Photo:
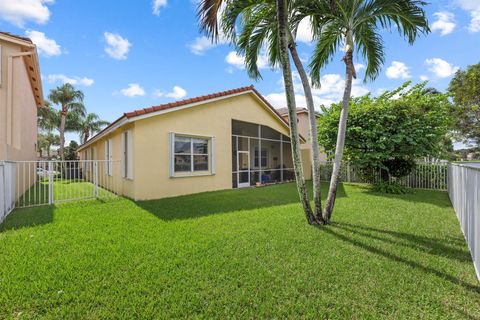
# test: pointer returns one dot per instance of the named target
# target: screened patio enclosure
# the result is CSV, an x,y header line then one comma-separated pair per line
x,y
259,155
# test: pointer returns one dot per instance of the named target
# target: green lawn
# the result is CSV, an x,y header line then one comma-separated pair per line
x,y
64,190
239,254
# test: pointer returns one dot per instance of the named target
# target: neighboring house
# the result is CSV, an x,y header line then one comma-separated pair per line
x,y
229,139
303,127
20,95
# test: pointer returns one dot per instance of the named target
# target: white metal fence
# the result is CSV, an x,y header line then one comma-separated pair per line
x,y
7,187
36,183
426,175
464,192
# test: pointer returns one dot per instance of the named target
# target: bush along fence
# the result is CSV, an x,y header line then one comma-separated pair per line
x,y
464,193
426,175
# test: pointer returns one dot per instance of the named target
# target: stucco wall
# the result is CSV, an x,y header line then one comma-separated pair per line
x,y
18,121
152,151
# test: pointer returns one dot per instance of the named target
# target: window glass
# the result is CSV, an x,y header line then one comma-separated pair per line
x,y
200,146
182,145
200,163
191,154
182,163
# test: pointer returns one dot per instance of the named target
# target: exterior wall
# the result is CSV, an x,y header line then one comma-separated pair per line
x,y
214,119
96,151
18,122
151,146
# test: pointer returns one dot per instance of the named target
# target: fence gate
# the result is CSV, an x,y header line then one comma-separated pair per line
x,y
48,182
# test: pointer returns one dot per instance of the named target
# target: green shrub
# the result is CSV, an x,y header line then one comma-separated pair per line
x,y
390,187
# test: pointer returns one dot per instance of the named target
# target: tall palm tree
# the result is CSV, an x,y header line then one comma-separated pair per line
x,y
89,125
69,100
258,28
357,24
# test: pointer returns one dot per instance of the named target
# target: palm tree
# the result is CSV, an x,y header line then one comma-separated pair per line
x,y
69,99
51,139
358,24
89,125
48,118
258,22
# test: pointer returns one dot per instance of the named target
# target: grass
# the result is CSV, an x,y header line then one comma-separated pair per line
x,y
64,190
239,254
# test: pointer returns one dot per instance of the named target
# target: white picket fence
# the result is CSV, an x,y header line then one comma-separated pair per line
x,y
426,175
464,192
35,183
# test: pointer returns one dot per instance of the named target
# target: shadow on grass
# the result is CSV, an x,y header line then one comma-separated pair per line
x,y
28,217
437,246
389,255
434,197
208,203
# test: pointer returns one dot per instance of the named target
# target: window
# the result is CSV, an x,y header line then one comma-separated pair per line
x,y
263,158
191,154
108,157
127,155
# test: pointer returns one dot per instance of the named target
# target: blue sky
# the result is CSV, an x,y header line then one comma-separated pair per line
x,y
126,55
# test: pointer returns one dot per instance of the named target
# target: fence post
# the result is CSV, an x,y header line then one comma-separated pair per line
x,y
348,172
50,183
95,177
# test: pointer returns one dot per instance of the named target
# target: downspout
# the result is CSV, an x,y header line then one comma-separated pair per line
x,y
9,111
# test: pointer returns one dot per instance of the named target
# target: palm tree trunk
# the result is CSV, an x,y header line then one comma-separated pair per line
x,y
342,127
48,151
312,119
86,135
62,133
292,115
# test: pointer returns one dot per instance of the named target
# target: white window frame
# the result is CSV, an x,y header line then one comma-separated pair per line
x,y
211,155
127,155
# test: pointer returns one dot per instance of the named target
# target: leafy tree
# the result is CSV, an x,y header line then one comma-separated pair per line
x,y
71,151
389,132
48,118
69,100
465,90
356,26
86,125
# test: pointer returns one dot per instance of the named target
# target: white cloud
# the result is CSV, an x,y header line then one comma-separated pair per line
x,y
18,12
117,47
333,86
360,67
83,81
398,70
440,67
238,61
203,43
45,46
424,78
445,22
176,93
157,4
133,90
304,31
472,7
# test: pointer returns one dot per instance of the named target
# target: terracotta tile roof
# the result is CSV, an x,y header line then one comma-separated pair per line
x,y
175,104
184,102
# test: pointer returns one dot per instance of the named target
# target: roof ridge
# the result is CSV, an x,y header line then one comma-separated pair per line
x,y
183,102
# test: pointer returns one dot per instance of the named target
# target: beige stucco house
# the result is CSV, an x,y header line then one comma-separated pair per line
x,y
20,95
229,139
